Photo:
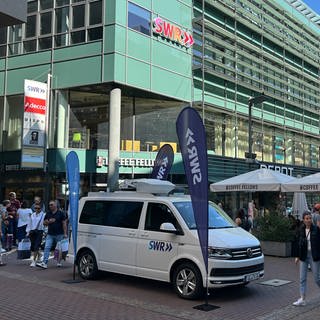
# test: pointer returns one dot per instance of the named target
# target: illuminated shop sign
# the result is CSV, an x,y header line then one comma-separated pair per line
x,y
282,169
126,162
172,32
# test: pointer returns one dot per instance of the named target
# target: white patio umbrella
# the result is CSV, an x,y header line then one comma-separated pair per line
x,y
309,183
299,204
252,181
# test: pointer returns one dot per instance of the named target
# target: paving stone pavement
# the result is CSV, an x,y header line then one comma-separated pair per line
x,y
33,293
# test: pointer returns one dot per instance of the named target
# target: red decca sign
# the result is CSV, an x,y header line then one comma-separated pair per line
x,y
34,105
172,32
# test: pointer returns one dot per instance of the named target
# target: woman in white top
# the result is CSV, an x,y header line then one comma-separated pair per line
x,y
35,232
23,215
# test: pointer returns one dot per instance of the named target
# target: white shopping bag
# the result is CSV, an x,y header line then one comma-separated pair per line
x,y
24,244
64,245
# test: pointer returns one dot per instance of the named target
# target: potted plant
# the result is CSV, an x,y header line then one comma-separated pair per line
x,y
276,233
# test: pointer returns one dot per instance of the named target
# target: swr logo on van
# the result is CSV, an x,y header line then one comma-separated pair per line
x,y
160,246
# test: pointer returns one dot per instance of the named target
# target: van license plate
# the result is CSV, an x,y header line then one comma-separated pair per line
x,y
252,276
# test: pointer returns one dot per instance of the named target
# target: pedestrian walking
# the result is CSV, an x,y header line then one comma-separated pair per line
x,y
55,219
4,219
34,231
14,206
38,201
23,215
308,253
10,223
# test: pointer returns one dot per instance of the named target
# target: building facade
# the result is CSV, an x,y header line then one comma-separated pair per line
x,y
163,55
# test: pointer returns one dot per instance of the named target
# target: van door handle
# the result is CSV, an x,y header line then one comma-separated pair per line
x,y
132,233
144,235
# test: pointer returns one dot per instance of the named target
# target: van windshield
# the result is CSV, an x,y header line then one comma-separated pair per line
x,y
217,217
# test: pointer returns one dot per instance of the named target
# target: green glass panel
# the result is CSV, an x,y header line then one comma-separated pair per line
x,y
78,51
171,58
15,80
108,72
143,3
109,39
110,10
120,68
1,83
136,41
71,73
29,59
171,84
121,12
174,11
120,39
138,74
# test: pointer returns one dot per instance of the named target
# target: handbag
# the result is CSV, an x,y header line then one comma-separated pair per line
x,y
34,231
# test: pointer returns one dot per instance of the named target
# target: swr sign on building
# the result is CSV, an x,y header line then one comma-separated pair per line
x,y
172,32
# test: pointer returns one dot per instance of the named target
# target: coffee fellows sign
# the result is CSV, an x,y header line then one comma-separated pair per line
x,y
172,32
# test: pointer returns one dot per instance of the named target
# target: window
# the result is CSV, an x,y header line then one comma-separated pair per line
x,y
78,37
62,20
45,23
46,4
45,43
158,213
95,9
121,214
32,6
30,46
78,14
3,41
62,2
31,26
139,18
217,218
95,34
54,22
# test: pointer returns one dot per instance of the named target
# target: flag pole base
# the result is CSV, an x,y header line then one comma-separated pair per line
x,y
205,307
71,281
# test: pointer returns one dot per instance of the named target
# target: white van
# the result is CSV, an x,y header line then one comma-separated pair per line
x,y
154,236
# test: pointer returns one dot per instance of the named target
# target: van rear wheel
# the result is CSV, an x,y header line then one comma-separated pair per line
x,y
87,265
187,281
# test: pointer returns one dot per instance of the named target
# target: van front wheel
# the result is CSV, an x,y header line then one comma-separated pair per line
x,y
187,281
87,265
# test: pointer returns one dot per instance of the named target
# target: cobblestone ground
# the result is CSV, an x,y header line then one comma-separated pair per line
x,y
33,293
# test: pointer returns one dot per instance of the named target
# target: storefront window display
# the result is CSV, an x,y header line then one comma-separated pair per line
x,y
146,124
88,123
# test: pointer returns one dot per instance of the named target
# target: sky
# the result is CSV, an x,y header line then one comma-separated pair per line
x,y
313,4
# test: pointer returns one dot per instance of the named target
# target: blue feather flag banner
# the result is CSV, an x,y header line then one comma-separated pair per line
x,y
73,176
163,163
193,145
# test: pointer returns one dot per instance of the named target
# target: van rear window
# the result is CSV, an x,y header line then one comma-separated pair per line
x,y
122,214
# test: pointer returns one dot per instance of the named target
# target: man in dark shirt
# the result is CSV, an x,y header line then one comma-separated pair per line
x,y
55,219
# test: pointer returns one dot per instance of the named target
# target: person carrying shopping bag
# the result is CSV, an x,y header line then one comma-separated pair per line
x,y
34,231
56,221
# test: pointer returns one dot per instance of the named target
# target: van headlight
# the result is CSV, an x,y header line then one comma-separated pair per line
x,y
219,253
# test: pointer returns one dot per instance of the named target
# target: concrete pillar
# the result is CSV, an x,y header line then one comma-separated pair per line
x,y
114,139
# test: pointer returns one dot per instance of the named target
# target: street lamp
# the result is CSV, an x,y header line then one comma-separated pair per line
x,y
252,100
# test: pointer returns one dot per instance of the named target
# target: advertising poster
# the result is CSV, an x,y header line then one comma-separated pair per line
x,y
34,124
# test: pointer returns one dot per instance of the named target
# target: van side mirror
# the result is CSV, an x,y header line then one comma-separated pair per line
x,y
168,227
